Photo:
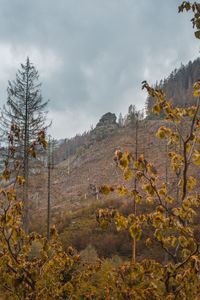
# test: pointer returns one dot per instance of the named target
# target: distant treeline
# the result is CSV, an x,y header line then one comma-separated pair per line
x,y
177,87
69,147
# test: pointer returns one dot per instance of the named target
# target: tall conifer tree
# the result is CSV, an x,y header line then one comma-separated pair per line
x,y
24,107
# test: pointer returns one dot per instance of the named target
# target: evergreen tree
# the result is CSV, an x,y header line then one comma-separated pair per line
x,y
25,108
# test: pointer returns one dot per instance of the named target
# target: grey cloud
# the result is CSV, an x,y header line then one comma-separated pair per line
x,y
104,50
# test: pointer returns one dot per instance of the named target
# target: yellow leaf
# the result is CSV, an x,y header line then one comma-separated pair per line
x,y
174,138
197,85
180,183
156,109
196,157
158,235
182,241
150,200
188,147
191,110
191,182
138,198
166,243
197,34
169,199
133,193
175,212
160,210
162,192
149,189
187,6
20,180
6,174
185,204
128,174
135,231
106,189
162,132
196,93
151,168
121,223
122,190
185,253
123,163
149,242
173,241
139,175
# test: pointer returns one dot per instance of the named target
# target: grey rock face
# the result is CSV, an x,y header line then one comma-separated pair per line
x,y
107,120
106,125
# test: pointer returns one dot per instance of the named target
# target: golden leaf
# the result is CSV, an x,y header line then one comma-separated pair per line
x,y
128,174
106,189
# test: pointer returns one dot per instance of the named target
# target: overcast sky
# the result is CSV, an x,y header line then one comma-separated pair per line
x,y
93,54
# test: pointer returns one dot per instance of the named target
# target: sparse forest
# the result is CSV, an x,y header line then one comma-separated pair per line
x,y
178,87
122,219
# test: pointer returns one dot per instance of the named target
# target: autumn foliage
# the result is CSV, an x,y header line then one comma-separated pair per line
x,y
56,273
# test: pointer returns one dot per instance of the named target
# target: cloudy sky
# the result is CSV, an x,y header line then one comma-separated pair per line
x,y
93,54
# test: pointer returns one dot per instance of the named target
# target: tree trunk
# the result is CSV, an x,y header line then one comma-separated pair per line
x,y
26,148
135,185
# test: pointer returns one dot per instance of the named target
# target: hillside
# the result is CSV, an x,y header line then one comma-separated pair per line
x,y
74,190
178,87
85,162
71,179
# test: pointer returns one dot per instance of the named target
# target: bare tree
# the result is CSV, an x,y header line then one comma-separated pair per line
x,y
25,108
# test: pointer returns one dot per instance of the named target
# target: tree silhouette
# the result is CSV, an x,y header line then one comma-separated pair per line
x,y
25,108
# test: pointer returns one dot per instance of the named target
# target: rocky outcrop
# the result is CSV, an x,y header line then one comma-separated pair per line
x,y
108,120
106,126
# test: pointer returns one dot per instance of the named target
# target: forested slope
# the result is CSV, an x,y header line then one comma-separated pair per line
x,y
178,87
